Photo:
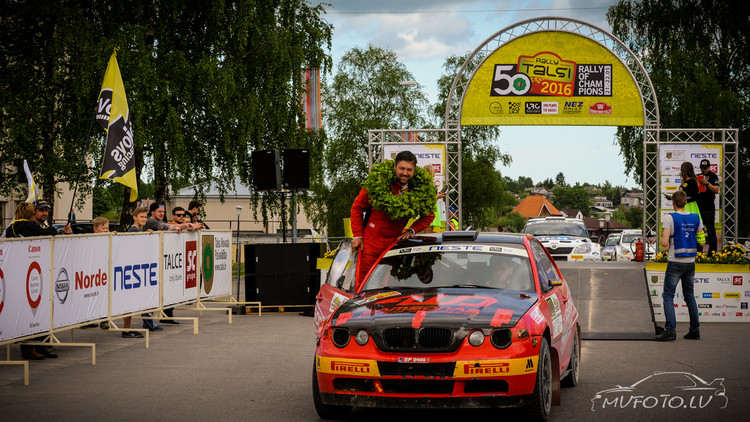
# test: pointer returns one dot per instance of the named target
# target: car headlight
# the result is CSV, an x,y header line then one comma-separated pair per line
x,y
503,337
476,338
585,248
341,337
362,337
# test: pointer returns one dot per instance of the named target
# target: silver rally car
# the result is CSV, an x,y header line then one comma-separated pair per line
x,y
566,239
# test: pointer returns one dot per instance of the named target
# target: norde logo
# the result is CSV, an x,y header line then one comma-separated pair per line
x,y
131,277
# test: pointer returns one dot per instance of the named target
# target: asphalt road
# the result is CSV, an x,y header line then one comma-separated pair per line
x,y
259,369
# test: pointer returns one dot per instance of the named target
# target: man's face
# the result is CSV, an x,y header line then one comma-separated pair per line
x,y
158,213
140,219
104,228
179,216
41,215
404,171
705,170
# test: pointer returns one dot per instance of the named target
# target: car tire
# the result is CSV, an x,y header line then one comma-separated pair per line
x,y
571,380
540,402
326,411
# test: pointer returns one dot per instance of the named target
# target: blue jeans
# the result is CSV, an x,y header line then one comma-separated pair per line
x,y
684,272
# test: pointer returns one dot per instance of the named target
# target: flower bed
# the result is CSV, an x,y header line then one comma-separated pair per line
x,y
730,254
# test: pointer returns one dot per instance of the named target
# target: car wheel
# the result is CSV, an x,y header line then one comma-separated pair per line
x,y
326,411
571,380
540,403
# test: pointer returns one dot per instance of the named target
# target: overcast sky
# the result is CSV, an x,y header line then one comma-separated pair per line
x,y
424,32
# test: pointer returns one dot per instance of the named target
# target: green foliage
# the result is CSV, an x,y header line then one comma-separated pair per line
x,y
698,58
631,217
207,83
560,179
514,220
572,197
418,201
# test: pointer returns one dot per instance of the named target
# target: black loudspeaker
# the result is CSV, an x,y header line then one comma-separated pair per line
x,y
296,169
266,170
282,274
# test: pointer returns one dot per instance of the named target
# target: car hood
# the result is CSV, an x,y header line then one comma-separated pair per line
x,y
467,307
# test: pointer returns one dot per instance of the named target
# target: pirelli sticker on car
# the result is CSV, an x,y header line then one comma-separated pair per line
x,y
341,366
495,368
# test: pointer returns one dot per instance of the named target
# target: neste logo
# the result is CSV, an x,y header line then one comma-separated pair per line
x,y
135,276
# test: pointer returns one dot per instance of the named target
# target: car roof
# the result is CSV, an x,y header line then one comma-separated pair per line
x,y
464,237
555,219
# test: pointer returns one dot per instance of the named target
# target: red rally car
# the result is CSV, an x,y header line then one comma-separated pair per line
x,y
451,320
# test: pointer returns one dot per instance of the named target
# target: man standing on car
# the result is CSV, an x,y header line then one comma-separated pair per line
x,y
393,192
682,231
708,188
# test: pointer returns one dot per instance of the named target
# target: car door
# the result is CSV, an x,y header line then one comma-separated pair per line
x,y
556,295
339,284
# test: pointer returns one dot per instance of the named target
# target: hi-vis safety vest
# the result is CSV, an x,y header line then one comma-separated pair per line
x,y
685,228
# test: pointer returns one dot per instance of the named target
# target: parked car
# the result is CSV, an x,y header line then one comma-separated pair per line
x,y
611,245
455,319
626,245
566,238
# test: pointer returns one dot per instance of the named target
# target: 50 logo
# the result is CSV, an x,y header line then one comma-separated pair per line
x,y
507,81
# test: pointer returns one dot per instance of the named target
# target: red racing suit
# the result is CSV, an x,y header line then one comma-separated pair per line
x,y
380,233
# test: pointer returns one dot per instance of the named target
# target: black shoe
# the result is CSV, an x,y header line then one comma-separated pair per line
x,y
666,336
104,325
46,351
132,334
692,335
32,355
169,321
90,326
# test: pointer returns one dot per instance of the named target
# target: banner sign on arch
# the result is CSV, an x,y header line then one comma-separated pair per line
x,y
552,78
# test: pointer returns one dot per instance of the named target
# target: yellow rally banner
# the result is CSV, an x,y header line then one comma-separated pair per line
x,y
552,78
339,366
495,368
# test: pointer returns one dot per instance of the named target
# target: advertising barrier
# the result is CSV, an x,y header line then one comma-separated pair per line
x,y
81,279
25,280
721,291
51,283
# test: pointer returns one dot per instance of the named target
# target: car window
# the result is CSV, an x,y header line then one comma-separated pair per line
x,y
545,269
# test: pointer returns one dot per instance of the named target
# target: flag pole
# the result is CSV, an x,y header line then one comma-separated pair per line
x,y
80,165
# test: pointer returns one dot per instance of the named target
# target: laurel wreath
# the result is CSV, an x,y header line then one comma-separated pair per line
x,y
418,201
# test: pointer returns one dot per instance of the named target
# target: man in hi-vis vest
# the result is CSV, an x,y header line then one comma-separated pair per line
x,y
682,232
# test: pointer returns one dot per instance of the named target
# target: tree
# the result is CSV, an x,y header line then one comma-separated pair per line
x,y
572,197
364,94
548,183
698,57
207,83
514,220
483,195
560,179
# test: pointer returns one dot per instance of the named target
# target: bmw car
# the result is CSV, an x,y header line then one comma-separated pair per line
x,y
450,320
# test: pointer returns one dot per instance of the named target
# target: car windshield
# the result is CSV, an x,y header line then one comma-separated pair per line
x,y
613,241
627,238
556,229
508,269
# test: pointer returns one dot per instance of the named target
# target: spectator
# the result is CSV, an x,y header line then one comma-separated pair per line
x,y
156,221
194,211
393,192
178,216
682,232
708,184
41,215
437,223
140,215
